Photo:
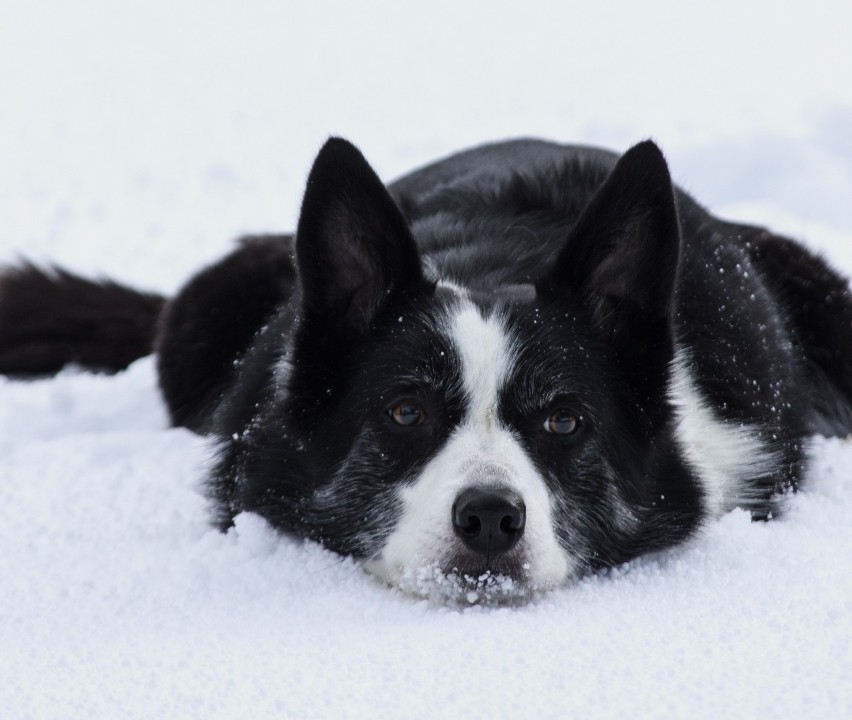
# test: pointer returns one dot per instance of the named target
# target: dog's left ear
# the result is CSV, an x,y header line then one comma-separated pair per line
x,y
354,249
622,254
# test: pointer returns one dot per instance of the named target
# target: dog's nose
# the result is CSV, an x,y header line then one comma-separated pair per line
x,y
490,521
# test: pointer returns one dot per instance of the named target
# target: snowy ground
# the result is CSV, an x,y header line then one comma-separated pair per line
x,y
137,138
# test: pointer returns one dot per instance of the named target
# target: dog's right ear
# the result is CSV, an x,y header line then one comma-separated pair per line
x,y
621,259
354,249
622,253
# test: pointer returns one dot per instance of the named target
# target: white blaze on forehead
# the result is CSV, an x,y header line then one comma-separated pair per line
x,y
485,351
457,290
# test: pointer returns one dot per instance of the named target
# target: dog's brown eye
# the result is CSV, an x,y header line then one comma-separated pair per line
x,y
562,423
407,414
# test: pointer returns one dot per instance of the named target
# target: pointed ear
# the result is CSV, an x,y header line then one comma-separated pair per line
x,y
621,258
354,249
623,252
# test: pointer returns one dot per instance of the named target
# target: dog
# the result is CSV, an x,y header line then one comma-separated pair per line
x,y
519,364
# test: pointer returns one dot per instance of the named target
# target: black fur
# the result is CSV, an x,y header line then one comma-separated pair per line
x,y
609,280
214,318
51,318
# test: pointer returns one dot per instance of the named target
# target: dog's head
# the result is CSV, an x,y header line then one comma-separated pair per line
x,y
481,441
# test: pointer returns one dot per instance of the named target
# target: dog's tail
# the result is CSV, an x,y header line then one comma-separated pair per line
x,y
50,318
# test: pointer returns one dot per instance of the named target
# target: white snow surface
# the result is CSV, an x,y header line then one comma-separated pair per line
x,y
137,139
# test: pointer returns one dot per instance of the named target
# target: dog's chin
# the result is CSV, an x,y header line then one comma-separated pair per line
x,y
463,581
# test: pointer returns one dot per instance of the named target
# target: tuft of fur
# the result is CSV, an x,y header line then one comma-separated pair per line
x,y
50,318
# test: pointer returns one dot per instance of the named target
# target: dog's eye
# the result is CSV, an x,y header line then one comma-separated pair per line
x,y
407,414
562,423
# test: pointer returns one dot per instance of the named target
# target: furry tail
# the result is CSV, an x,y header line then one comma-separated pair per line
x,y
50,318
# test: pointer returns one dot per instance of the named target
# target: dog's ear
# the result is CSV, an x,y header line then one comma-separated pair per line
x,y
622,253
354,249
621,258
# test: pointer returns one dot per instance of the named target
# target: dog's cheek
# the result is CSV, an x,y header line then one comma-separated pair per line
x,y
359,504
353,514
422,533
590,515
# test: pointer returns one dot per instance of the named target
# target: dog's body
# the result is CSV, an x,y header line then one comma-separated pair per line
x,y
517,364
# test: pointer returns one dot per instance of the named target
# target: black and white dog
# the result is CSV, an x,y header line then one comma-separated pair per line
x,y
513,366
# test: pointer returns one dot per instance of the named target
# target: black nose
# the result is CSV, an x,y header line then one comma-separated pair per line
x,y
488,520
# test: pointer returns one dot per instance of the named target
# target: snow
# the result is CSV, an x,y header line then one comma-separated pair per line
x,y
136,139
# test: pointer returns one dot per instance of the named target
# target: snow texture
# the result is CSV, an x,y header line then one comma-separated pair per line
x,y
138,138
